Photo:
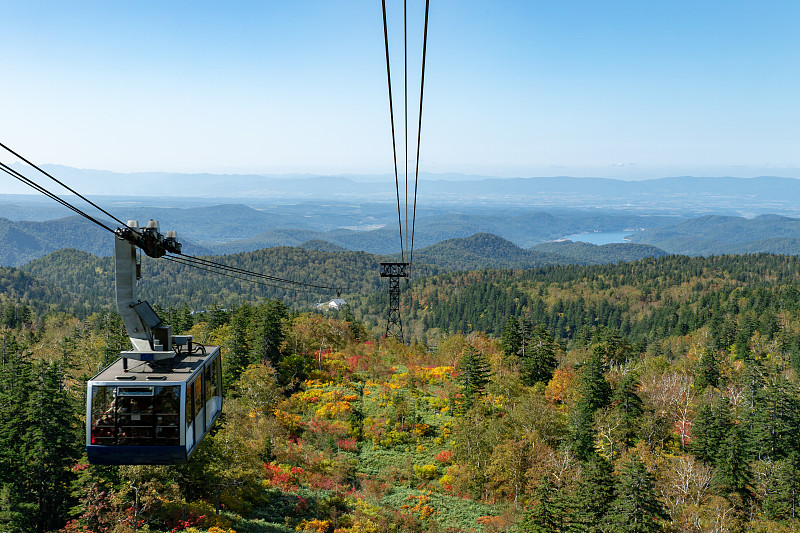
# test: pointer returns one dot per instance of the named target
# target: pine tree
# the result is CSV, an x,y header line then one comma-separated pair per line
x,y
635,508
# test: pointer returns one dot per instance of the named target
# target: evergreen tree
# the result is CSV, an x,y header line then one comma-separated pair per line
x,y
51,446
595,389
548,514
593,495
635,508
217,316
775,422
782,500
707,370
16,511
582,432
268,332
512,338
474,373
710,430
614,347
238,356
733,474
629,406
539,361
38,442
15,380
595,394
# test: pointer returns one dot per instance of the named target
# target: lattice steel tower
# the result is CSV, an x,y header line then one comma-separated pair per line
x,y
394,271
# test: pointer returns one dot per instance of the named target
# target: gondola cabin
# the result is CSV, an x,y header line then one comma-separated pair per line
x,y
153,412
154,404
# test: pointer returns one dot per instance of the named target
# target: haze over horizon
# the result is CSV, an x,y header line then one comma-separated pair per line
x,y
629,90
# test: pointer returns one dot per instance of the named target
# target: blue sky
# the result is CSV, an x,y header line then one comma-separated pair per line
x,y
629,89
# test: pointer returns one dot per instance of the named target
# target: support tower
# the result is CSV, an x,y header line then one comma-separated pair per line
x,y
394,271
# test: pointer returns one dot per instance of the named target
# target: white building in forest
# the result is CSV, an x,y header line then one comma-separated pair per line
x,y
336,303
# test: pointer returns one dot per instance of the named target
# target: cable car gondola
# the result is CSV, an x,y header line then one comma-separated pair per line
x,y
156,402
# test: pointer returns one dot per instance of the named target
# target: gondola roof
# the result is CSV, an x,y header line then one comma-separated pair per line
x,y
178,369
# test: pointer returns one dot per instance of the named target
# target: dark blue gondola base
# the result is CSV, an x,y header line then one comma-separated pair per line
x,y
136,455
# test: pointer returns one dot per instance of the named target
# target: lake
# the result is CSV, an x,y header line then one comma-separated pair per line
x,y
600,237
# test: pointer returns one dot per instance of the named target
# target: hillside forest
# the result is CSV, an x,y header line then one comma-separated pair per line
x,y
659,395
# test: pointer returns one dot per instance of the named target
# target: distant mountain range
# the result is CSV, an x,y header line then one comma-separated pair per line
x,y
451,241
684,195
682,215
235,228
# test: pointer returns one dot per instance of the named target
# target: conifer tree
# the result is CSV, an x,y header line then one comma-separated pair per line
x,y
238,356
268,332
539,361
707,370
593,495
636,507
595,389
15,378
38,442
782,499
582,432
614,347
548,514
474,373
733,474
595,394
629,406
51,446
774,424
512,338
710,430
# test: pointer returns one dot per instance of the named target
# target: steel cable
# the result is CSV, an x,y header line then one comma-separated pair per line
x,y
391,118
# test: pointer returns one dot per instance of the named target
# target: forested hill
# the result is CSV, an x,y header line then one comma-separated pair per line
x,y
484,250
593,254
22,296
23,241
317,263
170,284
646,299
715,234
